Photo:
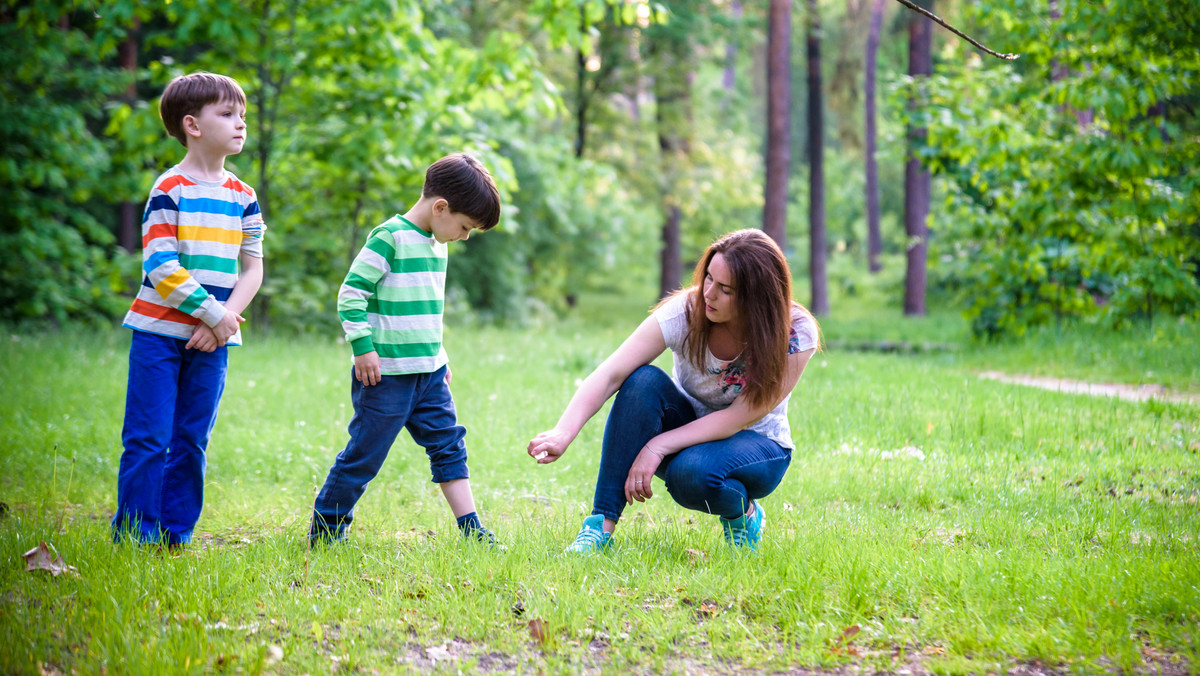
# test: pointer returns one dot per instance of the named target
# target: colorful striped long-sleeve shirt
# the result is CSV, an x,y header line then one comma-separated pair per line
x,y
192,234
393,296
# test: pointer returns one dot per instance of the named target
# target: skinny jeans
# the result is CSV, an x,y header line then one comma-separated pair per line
x,y
717,477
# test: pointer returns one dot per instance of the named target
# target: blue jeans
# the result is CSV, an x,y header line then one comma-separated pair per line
x,y
420,402
718,477
170,407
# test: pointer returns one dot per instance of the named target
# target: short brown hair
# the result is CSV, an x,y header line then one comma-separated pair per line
x,y
466,186
188,94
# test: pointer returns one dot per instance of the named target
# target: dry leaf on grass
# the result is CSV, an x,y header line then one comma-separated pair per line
x,y
539,631
933,650
41,558
842,643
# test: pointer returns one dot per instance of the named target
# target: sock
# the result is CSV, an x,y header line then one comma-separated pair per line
x,y
469,523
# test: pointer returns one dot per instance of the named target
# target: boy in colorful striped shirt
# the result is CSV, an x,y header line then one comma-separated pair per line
x,y
391,310
202,264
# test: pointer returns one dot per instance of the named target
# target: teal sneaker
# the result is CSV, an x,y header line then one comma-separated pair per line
x,y
591,538
745,531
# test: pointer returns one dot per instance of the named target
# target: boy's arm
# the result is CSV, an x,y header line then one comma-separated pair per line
x,y
249,281
369,266
250,278
160,263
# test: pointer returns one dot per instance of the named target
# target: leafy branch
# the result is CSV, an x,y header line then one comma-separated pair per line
x,y
938,20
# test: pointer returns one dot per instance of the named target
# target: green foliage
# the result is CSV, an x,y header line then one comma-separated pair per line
x,y
573,221
1049,217
57,255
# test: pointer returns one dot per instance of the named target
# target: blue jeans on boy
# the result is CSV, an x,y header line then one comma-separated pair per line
x,y
170,407
419,402
718,477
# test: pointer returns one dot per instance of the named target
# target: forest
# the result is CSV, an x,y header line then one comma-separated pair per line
x,y
990,206
882,150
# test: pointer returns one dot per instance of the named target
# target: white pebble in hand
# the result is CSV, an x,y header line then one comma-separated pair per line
x,y
541,455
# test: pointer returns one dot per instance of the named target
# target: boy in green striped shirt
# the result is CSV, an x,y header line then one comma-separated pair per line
x,y
391,310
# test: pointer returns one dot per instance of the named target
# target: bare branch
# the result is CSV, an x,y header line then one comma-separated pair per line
x,y
920,10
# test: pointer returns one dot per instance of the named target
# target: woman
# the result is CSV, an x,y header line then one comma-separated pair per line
x,y
717,432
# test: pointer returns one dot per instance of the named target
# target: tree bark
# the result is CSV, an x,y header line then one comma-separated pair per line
x,y
916,177
581,98
816,162
874,237
670,259
672,90
779,102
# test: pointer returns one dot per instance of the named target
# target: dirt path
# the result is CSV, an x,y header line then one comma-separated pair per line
x,y
1124,392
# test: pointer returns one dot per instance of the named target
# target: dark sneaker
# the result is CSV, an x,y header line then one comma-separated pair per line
x,y
320,534
745,531
591,538
483,536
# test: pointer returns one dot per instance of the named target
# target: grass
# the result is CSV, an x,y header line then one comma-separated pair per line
x,y
961,525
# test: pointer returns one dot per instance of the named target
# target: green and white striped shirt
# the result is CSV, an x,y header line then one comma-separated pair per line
x,y
393,296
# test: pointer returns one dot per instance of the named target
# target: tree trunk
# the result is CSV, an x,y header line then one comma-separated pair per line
x,y
129,234
874,238
1083,118
779,102
729,76
916,178
670,258
672,90
581,98
816,163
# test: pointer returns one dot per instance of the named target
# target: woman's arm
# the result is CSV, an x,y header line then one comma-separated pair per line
x,y
712,427
639,349
729,421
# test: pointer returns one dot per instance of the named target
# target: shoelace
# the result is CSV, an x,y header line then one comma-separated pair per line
x,y
738,535
588,537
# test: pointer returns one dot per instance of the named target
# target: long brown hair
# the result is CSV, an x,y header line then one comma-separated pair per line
x,y
763,294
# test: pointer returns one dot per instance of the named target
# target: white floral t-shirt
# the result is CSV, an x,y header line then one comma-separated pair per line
x,y
717,384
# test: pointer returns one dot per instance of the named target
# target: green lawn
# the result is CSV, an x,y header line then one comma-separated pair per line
x,y
931,520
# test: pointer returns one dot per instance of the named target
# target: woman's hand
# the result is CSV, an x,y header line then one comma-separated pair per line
x,y
549,446
637,484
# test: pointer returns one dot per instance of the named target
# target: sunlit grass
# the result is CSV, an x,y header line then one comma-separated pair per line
x,y
962,525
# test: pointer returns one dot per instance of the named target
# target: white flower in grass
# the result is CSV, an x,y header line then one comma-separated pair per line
x,y
901,453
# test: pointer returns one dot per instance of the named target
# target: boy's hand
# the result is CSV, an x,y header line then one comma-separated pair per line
x,y
228,326
203,339
366,368
548,446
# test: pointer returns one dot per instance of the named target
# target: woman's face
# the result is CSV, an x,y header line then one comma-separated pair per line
x,y
719,294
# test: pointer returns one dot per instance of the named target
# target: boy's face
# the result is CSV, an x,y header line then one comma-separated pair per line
x,y
449,226
218,128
